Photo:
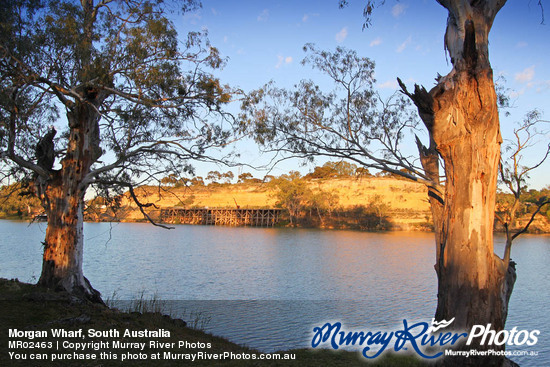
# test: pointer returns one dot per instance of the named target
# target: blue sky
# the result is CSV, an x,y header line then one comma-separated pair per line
x,y
263,41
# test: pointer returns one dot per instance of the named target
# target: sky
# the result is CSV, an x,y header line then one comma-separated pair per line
x,y
263,41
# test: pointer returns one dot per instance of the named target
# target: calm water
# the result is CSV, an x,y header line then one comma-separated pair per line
x,y
267,288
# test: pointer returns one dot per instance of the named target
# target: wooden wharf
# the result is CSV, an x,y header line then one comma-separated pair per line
x,y
221,217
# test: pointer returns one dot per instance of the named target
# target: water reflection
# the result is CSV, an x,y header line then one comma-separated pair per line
x,y
267,287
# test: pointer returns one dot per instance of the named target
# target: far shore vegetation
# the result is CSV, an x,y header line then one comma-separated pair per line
x,y
336,195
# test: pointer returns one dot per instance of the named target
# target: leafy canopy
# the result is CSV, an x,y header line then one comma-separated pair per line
x,y
350,122
156,100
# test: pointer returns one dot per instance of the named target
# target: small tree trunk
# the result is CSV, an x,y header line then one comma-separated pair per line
x,y
512,223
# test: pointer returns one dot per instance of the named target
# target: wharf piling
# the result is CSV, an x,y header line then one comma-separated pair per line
x,y
222,217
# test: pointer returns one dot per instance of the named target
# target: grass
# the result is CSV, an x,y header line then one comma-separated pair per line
x,y
27,307
153,304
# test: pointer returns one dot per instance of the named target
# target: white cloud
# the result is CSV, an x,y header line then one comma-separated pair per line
x,y
521,44
398,9
264,15
193,17
543,86
306,17
281,60
404,45
516,94
390,84
214,11
341,36
526,75
376,42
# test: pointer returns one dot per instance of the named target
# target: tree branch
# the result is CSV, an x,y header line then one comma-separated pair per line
x,y
526,227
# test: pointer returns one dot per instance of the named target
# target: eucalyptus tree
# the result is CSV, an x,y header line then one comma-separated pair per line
x,y
351,121
515,170
132,98
460,115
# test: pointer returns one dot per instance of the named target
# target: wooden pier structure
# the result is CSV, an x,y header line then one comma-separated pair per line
x,y
222,217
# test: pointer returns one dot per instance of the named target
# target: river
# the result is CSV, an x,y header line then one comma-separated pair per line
x,y
268,288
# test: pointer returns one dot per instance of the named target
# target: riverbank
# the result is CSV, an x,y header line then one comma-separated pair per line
x,y
30,310
367,203
359,203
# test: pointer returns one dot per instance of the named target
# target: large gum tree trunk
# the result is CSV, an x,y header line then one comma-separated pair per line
x,y
471,276
63,245
460,113
63,194
63,199
474,284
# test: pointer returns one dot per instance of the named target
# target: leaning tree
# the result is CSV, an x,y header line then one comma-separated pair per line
x,y
132,100
461,117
